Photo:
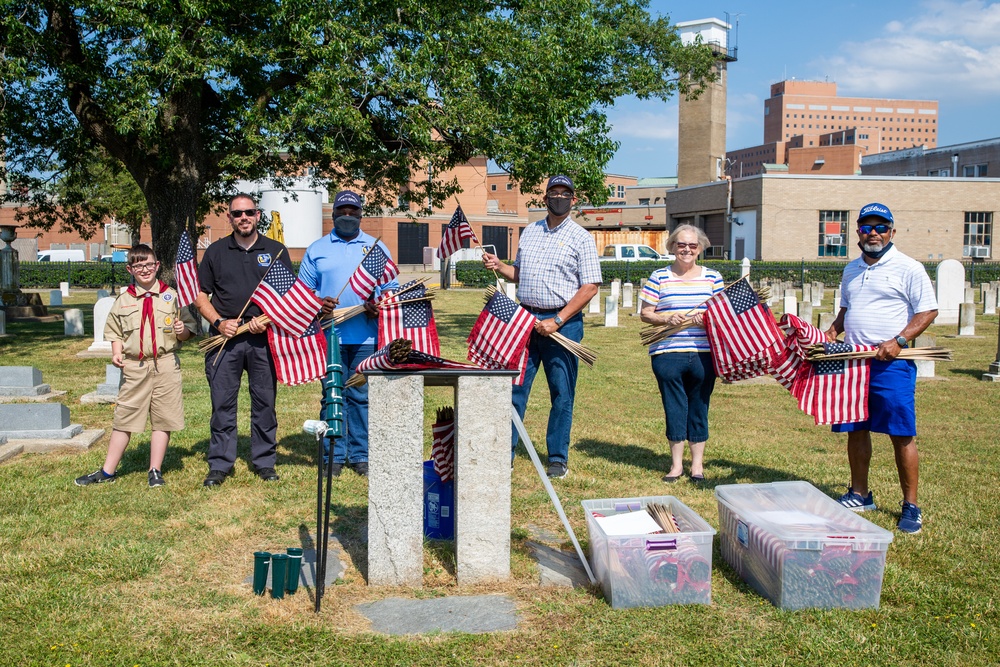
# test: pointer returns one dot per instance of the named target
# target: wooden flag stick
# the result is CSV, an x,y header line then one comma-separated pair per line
x,y
374,245
478,243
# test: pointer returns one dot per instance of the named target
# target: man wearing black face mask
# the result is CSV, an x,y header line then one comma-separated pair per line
x,y
557,274
886,300
326,268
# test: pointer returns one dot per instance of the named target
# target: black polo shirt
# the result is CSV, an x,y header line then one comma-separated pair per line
x,y
231,274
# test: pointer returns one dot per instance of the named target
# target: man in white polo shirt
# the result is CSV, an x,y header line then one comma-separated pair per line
x,y
886,300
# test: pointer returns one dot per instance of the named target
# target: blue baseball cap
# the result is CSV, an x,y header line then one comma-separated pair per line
x,y
347,198
560,180
877,210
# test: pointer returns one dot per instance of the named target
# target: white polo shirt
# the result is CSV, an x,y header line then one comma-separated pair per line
x,y
883,297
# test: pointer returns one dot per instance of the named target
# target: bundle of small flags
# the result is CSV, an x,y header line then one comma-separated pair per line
x,y
399,355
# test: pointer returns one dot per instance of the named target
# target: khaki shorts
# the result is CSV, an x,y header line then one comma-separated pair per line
x,y
153,389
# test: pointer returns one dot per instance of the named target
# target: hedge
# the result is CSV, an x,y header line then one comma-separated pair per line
x,y
94,275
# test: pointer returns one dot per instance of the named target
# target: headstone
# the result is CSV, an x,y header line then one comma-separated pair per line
x,y
36,420
73,322
101,311
611,311
925,369
817,294
983,287
807,292
989,302
101,293
510,289
993,374
112,380
967,319
790,305
55,298
970,295
836,299
64,288
745,267
826,320
616,289
627,295
3,323
805,311
638,305
22,381
950,290
595,304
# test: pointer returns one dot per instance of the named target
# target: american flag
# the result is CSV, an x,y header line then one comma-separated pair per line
x,y
415,361
740,328
186,272
443,448
457,231
788,359
286,300
403,316
375,269
298,359
835,391
499,336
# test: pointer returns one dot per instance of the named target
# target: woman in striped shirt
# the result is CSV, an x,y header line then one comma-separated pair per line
x,y
682,362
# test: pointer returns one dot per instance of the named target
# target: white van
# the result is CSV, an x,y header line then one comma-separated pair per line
x,y
61,256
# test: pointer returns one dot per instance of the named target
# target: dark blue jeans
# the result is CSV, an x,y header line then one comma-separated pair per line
x,y
686,381
561,368
353,447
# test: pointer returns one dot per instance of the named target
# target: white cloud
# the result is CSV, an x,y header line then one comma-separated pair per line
x,y
656,125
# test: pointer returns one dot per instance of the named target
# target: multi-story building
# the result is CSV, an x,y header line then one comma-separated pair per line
x,y
976,159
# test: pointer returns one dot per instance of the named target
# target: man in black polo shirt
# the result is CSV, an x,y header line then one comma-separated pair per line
x,y
230,271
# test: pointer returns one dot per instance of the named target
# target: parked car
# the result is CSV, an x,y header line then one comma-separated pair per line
x,y
118,257
631,252
61,256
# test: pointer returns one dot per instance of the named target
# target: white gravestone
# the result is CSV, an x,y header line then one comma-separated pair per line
x,y
789,305
925,369
55,298
817,294
611,311
836,299
73,322
826,321
970,295
805,311
990,302
510,289
807,292
950,290
627,295
745,267
638,303
616,289
101,293
101,311
64,288
595,304
967,319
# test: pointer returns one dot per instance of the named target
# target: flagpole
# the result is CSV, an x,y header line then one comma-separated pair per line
x,y
247,304
356,268
476,238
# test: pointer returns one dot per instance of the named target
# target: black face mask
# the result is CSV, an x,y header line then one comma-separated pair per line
x,y
558,207
875,255
346,226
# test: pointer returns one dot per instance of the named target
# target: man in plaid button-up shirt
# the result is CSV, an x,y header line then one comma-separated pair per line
x,y
557,274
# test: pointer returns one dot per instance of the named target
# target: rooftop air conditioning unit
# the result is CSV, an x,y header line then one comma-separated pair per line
x,y
834,239
979,251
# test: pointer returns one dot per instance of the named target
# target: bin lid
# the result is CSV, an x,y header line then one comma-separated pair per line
x,y
798,511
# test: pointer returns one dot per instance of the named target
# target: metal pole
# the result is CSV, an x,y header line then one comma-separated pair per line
x,y
332,413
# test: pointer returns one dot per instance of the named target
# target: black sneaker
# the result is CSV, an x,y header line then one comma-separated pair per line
x,y
216,477
267,474
361,468
96,477
336,469
155,478
557,470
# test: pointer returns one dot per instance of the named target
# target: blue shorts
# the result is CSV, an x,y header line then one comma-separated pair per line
x,y
891,389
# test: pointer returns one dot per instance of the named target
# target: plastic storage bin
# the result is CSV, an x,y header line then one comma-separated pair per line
x,y
656,569
800,548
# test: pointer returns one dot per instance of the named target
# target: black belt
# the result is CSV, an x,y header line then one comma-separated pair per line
x,y
536,311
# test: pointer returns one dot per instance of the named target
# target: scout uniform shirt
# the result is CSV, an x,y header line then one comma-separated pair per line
x,y
127,324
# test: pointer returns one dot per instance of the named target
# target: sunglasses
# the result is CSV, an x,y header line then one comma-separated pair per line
x,y
880,229
250,212
681,246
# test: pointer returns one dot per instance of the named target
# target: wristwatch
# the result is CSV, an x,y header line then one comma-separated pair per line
x,y
558,320
217,322
901,341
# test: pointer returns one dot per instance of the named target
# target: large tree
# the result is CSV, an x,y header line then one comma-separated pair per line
x,y
191,96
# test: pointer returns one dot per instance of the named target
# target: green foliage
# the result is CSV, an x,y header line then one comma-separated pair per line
x,y
191,97
39,275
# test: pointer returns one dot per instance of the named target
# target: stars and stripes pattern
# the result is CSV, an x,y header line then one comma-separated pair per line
x,y
500,334
457,231
377,268
298,359
787,360
186,272
740,328
415,361
409,315
286,300
443,449
835,391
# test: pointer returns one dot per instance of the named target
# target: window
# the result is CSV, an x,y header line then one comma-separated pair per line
x,y
621,192
974,171
976,241
493,187
510,186
644,201
645,252
833,233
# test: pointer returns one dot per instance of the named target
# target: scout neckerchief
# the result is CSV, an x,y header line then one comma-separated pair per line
x,y
147,314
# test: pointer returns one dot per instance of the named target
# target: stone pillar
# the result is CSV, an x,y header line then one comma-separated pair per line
x,y
55,297
73,322
805,311
595,304
395,480
611,311
482,479
925,369
627,295
967,319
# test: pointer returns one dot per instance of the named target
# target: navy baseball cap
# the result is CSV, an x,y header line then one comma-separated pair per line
x,y
877,210
347,198
560,180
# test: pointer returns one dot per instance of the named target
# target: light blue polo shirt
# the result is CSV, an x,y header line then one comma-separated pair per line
x,y
326,268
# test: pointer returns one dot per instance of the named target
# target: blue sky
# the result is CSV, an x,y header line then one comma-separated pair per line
x,y
944,50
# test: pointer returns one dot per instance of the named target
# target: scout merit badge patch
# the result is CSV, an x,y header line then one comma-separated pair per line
x,y
167,321
264,259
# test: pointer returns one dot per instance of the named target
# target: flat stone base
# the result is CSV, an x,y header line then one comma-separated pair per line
x,y
98,397
472,614
18,392
991,377
41,398
64,433
9,450
82,441
94,354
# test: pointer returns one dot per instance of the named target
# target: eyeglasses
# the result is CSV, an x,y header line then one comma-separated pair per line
x,y
560,195
681,246
867,229
250,212
148,266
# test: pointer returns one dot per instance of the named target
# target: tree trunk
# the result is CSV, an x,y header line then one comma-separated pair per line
x,y
173,207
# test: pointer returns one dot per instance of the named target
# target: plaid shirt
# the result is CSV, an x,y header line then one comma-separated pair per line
x,y
554,264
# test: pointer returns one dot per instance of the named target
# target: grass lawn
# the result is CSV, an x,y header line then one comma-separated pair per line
x,y
121,574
